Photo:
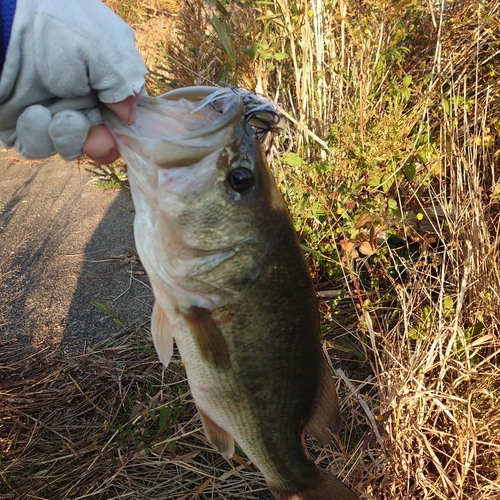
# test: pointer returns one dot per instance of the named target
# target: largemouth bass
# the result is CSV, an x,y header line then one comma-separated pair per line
x,y
231,285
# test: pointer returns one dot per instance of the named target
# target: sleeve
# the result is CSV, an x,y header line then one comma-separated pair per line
x,y
7,9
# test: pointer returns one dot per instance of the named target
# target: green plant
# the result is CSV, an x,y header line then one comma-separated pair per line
x,y
112,176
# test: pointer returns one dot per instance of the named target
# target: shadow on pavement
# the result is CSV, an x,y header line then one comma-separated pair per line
x,y
65,243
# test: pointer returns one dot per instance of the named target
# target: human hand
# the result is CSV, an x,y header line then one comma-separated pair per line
x,y
64,58
100,144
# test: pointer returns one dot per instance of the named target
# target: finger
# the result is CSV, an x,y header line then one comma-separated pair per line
x,y
100,145
126,110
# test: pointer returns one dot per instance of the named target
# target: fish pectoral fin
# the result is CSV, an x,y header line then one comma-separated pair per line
x,y
325,420
161,331
221,440
208,337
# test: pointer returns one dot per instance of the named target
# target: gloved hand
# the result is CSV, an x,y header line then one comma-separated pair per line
x,y
63,57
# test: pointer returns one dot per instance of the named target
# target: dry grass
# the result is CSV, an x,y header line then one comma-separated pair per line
x,y
109,424
433,350
416,356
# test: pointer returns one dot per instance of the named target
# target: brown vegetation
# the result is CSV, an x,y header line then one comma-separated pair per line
x,y
394,188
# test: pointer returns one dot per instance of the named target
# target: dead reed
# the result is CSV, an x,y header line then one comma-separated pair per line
x,y
109,424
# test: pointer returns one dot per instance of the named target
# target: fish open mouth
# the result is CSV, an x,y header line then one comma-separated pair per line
x,y
185,125
173,130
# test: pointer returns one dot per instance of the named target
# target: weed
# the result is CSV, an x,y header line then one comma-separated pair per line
x,y
112,176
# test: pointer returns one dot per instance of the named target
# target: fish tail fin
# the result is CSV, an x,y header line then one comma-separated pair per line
x,y
326,487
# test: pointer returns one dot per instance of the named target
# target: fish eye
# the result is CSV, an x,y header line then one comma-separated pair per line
x,y
241,180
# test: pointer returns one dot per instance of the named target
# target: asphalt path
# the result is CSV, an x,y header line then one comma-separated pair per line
x,y
64,244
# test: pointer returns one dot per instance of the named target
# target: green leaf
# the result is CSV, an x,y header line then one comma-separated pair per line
x,y
387,182
152,408
413,334
447,107
266,55
106,308
165,418
351,348
292,159
478,328
221,8
317,210
448,303
422,158
267,16
469,104
171,446
224,37
391,203
409,170
307,249
407,80
426,315
279,56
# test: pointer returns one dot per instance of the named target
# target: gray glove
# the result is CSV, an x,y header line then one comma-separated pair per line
x,y
64,56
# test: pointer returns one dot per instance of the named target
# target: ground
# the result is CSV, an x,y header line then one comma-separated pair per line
x,y
64,243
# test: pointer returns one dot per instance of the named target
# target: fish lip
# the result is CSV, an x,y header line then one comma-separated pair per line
x,y
195,93
169,151
232,113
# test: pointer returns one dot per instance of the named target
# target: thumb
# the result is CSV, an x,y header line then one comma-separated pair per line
x,y
125,110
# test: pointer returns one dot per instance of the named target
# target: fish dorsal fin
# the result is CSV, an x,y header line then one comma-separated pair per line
x,y
161,331
208,337
221,440
325,419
